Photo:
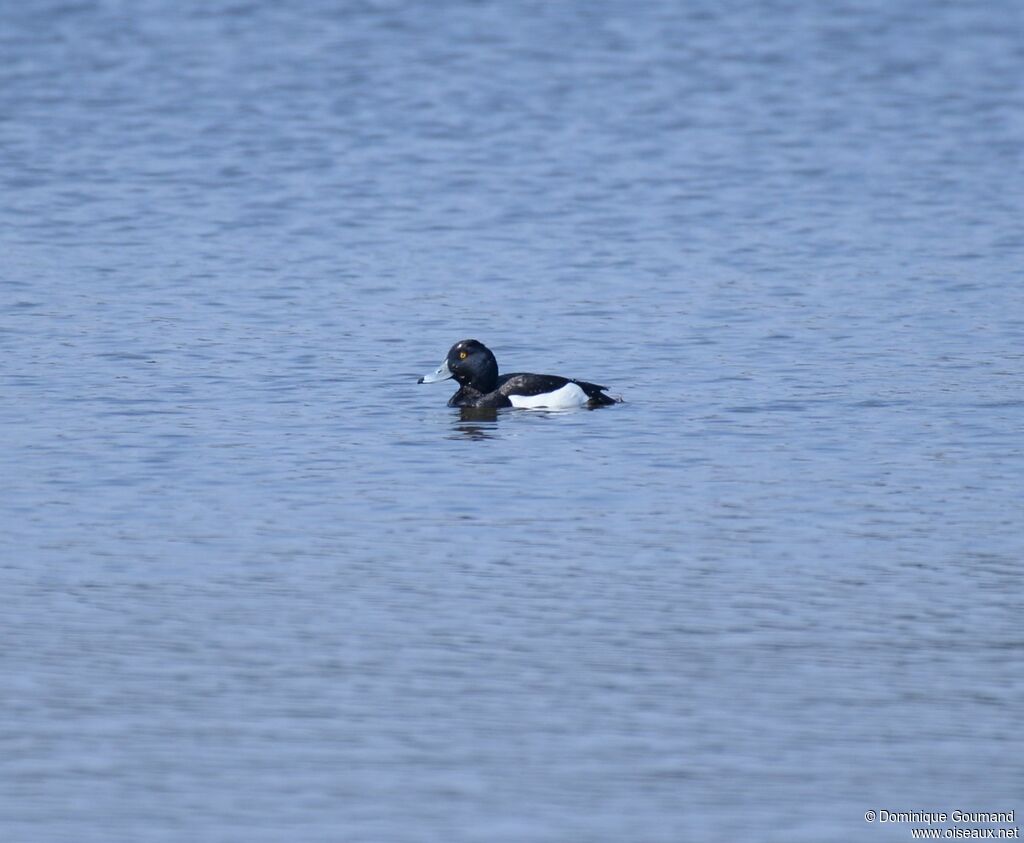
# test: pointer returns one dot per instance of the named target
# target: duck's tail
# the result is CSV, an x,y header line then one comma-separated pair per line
x,y
596,394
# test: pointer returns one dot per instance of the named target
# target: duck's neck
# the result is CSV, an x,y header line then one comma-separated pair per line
x,y
486,378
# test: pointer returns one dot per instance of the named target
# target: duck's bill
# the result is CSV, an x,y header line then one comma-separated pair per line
x,y
442,374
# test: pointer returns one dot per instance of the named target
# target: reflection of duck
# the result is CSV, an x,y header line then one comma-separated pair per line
x,y
479,414
473,365
476,423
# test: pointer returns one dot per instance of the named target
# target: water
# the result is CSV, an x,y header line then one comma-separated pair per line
x,y
260,585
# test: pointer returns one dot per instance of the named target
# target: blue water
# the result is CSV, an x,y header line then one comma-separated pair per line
x,y
260,585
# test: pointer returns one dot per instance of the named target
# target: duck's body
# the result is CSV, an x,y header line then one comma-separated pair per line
x,y
475,368
527,391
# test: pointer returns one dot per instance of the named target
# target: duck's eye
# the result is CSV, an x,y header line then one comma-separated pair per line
x,y
463,355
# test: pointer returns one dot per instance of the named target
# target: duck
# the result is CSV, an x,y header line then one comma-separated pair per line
x,y
475,368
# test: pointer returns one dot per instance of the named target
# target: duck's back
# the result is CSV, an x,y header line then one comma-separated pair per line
x,y
525,390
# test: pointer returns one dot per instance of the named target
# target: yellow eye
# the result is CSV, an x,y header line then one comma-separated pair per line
x,y
462,355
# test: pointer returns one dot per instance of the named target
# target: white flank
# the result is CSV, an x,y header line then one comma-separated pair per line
x,y
570,395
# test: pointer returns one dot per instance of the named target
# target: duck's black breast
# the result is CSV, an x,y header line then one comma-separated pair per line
x,y
467,396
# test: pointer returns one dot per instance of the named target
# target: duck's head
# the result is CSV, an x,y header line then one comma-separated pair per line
x,y
471,363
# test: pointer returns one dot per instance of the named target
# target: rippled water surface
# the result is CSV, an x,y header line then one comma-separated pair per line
x,y
260,585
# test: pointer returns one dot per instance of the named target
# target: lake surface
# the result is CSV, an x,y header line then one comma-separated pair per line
x,y
260,585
